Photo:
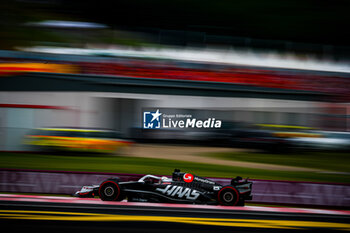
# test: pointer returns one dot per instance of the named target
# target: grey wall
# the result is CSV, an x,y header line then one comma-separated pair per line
x,y
264,191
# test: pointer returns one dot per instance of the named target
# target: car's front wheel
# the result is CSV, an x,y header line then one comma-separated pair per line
x,y
109,191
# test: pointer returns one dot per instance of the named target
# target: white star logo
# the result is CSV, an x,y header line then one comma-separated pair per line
x,y
156,115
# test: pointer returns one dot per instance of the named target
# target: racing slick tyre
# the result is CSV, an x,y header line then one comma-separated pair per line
x,y
110,191
228,196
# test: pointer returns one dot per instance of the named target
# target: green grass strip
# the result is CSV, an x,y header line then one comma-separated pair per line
x,y
120,164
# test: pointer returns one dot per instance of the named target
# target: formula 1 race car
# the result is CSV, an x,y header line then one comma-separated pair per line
x,y
180,188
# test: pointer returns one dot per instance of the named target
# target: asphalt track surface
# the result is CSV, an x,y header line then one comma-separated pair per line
x,y
92,215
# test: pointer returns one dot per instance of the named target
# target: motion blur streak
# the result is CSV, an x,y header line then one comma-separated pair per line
x,y
255,223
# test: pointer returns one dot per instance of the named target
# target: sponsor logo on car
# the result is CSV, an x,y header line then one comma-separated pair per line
x,y
180,192
188,177
203,180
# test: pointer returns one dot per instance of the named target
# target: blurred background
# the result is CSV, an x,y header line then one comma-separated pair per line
x,y
75,75
78,76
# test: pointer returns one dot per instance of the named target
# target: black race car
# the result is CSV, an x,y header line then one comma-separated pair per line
x,y
180,188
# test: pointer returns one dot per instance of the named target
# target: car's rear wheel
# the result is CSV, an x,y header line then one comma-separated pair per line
x,y
228,196
109,191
